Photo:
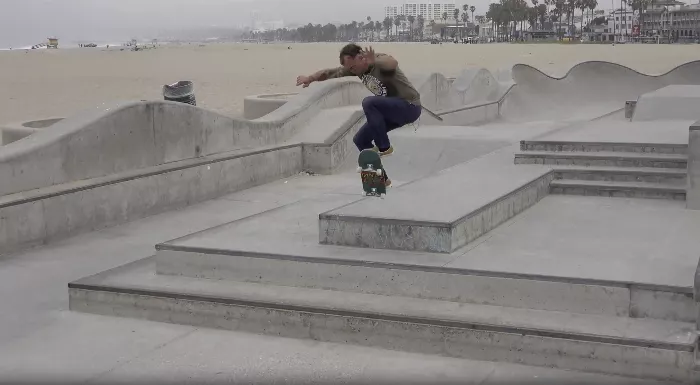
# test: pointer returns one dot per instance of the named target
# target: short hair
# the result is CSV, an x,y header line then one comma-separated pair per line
x,y
351,50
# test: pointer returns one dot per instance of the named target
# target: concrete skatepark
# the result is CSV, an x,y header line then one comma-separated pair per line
x,y
536,224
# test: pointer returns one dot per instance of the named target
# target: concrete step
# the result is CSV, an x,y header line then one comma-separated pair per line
x,y
603,158
618,189
459,210
394,273
614,345
577,146
671,176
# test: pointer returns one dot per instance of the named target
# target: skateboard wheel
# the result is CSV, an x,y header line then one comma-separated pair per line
x,y
379,172
359,169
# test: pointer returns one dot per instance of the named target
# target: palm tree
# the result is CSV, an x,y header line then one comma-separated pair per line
x,y
370,27
444,21
388,22
421,25
455,13
465,19
411,19
472,9
397,23
465,9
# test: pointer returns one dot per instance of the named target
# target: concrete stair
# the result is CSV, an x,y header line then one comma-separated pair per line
x,y
603,158
618,189
569,146
632,170
269,274
601,339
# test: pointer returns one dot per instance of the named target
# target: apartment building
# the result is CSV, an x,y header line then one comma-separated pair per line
x,y
429,10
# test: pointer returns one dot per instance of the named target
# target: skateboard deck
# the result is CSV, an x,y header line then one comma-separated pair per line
x,y
372,173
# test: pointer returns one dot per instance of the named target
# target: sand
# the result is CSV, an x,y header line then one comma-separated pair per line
x,y
58,83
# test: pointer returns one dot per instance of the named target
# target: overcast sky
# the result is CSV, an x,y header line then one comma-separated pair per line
x,y
26,22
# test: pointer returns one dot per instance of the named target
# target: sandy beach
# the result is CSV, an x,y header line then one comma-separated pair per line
x,y
58,83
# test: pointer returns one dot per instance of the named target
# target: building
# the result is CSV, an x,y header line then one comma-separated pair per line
x,y
392,11
621,23
429,10
671,19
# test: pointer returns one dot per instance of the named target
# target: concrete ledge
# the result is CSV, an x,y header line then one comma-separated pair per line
x,y
430,236
618,189
673,102
13,132
581,146
693,189
28,217
639,348
603,158
256,106
327,157
370,276
48,214
129,136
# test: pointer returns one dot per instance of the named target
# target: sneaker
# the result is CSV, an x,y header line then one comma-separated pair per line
x,y
385,153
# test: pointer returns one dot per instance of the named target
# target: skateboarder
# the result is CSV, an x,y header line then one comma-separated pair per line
x,y
395,104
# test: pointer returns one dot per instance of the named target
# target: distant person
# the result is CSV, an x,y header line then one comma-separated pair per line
x,y
395,104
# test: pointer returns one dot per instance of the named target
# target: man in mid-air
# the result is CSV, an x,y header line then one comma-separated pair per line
x,y
395,104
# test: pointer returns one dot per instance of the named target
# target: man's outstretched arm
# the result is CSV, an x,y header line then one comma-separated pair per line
x,y
324,74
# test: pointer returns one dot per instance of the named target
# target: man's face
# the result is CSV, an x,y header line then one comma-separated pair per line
x,y
357,65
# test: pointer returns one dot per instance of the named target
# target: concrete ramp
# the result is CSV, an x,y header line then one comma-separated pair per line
x,y
129,136
587,90
675,102
478,85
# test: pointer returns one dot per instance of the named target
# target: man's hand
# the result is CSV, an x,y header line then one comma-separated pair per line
x,y
368,54
304,80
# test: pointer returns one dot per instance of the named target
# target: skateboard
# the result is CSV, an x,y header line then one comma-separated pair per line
x,y
372,173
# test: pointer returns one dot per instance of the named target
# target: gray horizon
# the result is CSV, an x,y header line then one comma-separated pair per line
x,y
28,22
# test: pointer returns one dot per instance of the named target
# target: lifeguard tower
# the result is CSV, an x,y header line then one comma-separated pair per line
x,y
53,42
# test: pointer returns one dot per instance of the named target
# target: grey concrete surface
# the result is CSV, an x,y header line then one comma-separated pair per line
x,y
256,106
94,143
588,89
668,176
445,224
44,342
12,132
667,132
693,193
649,265
650,190
673,102
47,216
455,200
554,238
242,251
603,159
639,348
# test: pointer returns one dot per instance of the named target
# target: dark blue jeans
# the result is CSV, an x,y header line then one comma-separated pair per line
x,y
383,115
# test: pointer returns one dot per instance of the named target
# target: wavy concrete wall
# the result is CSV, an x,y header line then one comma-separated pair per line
x,y
587,89
128,136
